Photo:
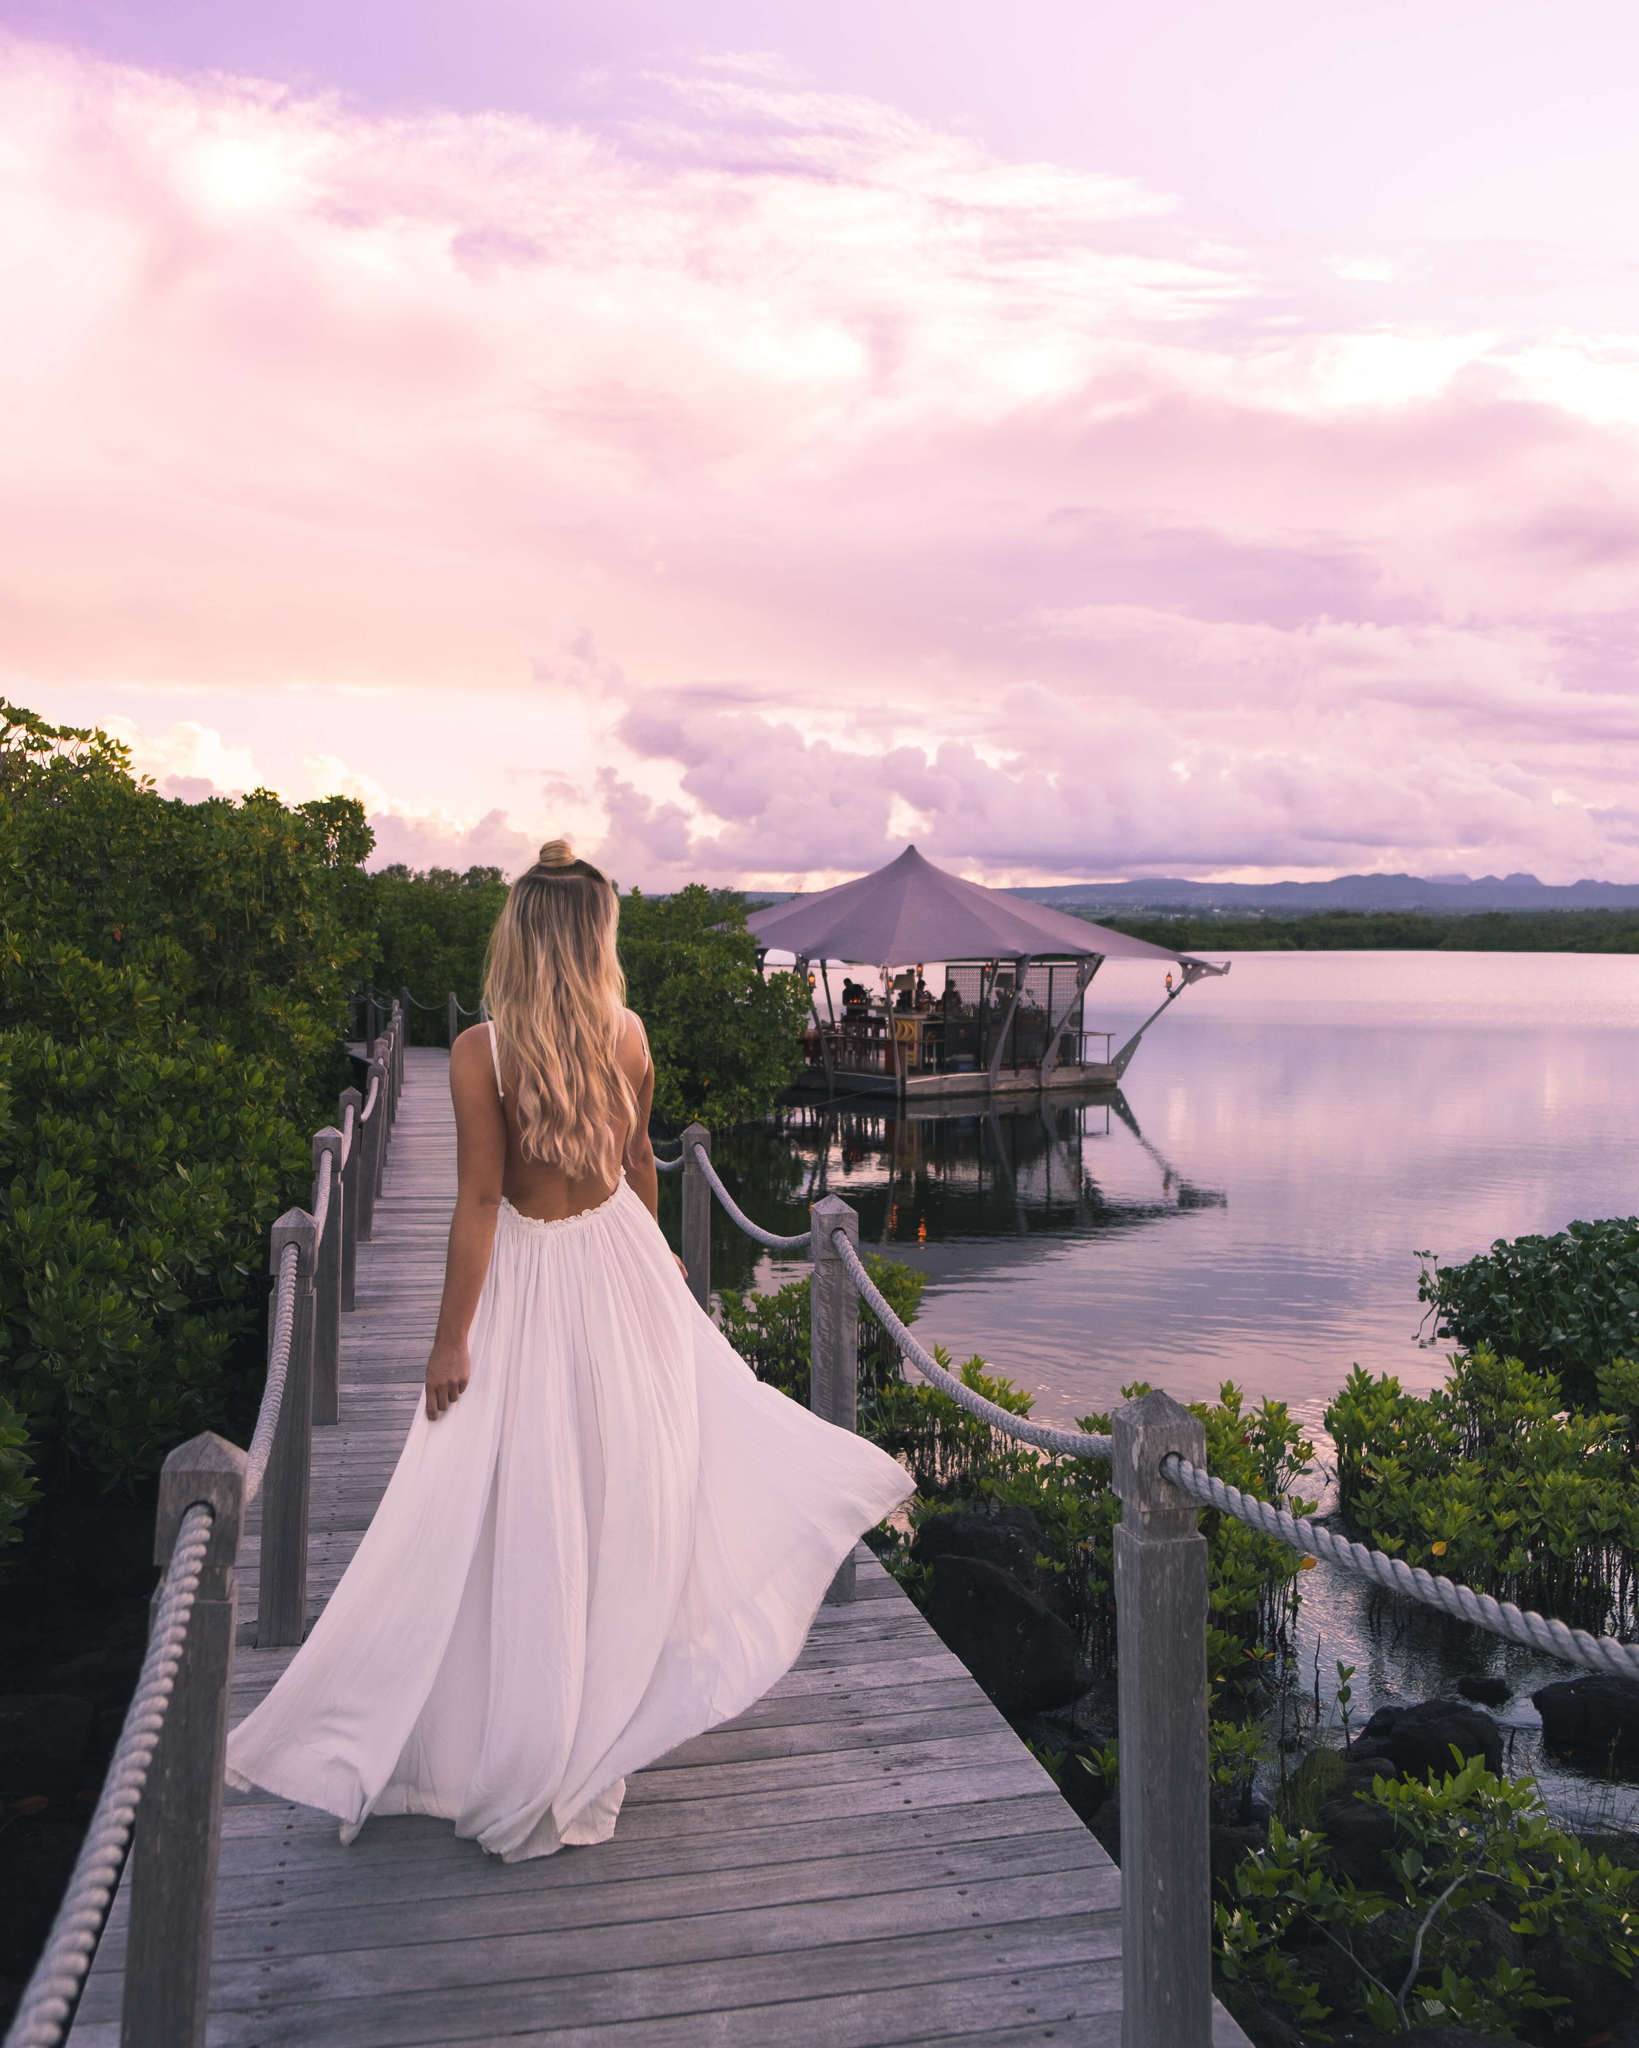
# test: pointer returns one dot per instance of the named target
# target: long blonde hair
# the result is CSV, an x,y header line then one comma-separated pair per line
x,y
554,989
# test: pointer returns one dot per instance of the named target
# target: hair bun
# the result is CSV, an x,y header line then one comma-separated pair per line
x,y
556,853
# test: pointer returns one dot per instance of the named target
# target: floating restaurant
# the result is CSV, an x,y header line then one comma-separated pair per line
x,y
1010,1014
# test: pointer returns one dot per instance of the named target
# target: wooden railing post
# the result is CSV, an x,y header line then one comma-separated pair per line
x,y
179,1822
372,1019
370,1138
327,1284
697,1215
281,1612
1161,1618
404,1012
453,1013
833,1341
351,1182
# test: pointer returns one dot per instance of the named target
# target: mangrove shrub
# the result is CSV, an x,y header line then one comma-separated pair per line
x,y
1488,1480
1566,1304
173,985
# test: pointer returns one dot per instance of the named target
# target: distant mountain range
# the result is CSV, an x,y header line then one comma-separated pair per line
x,y
1454,893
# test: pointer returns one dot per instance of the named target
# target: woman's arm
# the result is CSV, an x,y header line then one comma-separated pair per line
x,y
640,1166
480,1156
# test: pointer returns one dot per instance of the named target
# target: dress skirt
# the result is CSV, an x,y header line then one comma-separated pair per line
x,y
615,1539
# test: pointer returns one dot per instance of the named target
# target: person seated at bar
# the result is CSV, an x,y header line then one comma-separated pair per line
x,y
921,998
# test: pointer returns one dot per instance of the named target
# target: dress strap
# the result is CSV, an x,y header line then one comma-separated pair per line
x,y
495,1060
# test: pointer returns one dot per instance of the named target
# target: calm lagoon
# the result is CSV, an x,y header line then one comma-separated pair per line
x,y
1251,1208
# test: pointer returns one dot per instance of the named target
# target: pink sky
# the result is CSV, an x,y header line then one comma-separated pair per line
x,y
1087,441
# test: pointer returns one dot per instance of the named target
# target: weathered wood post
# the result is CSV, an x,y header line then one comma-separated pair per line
x,y
327,1282
370,1137
179,1822
453,1011
381,1063
372,1019
350,1185
833,1340
697,1215
404,1012
281,1610
1161,1616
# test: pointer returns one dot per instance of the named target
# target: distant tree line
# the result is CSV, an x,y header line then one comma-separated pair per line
x,y
1491,931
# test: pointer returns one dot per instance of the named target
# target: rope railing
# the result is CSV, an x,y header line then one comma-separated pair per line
x,y
732,1209
52,1992
204,1489
1519,1625
667,1165
1063,1443
278,1371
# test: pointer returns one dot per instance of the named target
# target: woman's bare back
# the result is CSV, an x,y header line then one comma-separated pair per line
x,y
538,1189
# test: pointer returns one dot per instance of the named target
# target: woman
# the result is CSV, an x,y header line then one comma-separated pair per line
x,y
604,1534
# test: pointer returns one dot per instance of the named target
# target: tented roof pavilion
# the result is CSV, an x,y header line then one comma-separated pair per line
x,y
910,910
1008,1009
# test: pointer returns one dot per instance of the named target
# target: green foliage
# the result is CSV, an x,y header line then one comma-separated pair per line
x,y
18,1487
771,1332
726,1041
1488,1480
432,929
1469,1840
173,983
1566,1305
1417,931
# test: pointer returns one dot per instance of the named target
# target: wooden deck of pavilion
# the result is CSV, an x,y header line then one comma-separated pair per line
x,y
868,1856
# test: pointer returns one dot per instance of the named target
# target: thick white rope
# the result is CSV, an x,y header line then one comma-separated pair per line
x,y
321,1195
1501,1617
349,1124
667,1165
1067,1443
278,1369
369,1108
49,1999
702,1159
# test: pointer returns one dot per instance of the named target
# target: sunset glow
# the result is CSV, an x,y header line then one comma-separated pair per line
x,y
746,448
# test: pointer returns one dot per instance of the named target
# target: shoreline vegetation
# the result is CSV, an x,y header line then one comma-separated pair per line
x,y
1412,931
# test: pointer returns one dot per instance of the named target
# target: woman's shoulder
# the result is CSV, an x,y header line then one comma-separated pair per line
x,y
633,1036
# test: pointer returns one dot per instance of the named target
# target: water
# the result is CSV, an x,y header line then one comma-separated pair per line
x,y
1251,1208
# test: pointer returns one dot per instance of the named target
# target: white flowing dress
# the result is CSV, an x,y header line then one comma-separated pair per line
x,y
615,1539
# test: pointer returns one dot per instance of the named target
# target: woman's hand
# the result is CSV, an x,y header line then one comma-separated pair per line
x,y
448,1371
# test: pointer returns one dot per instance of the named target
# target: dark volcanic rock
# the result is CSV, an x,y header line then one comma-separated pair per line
x,y
42,1743
1485,1692
1359,1833
1596,1717
1416,1741
1009,1537
1005,1633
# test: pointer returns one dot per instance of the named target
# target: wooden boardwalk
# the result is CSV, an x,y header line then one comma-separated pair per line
x,y
868,1856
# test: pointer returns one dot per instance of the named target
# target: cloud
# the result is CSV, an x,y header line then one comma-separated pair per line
x,y
780,473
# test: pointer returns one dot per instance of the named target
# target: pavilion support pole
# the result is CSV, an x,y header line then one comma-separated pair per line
x,y
1021,968
1085,970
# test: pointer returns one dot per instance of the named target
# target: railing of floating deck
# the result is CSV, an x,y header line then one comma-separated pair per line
x,y
1157,1451
162,1797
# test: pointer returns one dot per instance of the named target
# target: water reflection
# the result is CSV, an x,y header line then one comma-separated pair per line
x,y
919,1177
980,1192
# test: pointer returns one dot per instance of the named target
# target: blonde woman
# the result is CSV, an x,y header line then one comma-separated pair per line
x,y
604,1534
